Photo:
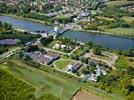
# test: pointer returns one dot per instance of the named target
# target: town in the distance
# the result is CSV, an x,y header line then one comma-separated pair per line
x,y
66,49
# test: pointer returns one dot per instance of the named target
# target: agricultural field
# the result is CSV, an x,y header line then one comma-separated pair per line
x,y
13,87
62,63
86,95
124,62
43,82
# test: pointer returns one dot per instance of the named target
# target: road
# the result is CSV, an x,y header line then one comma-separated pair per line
x,y
110,63
9,53
60,52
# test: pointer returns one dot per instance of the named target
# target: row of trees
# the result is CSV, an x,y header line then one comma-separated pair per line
x,y
129,53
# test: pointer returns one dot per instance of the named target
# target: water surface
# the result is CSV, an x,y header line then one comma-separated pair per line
x,y
106,41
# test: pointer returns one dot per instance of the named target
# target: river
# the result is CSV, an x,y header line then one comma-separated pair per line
x,y
107,41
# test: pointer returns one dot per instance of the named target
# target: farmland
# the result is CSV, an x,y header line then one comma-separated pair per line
x,y
13,87
85,95
44,82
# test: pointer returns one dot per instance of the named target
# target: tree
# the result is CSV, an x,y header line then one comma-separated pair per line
x,y
84,60
97,51
32,48
130,71
7,26
45,41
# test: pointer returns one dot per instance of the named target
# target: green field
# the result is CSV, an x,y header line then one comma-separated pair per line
x,y
124,62
44,82
62,63
13,88
121,31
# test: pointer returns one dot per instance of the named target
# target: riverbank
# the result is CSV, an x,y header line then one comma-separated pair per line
x,y
106,33
82,30
34,20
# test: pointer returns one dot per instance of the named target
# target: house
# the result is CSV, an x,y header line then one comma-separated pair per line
x,y
61,46
51,14
83,15
74,67
52,55
93,78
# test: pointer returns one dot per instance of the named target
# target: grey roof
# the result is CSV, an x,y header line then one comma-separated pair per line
x,y
52,55
9,41
39,57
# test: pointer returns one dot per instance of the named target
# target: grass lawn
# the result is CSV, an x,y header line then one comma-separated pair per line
x,y
13,88
121,31
124,62
62,63
128,19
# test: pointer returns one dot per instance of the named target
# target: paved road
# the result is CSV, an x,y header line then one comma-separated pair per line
x,y
9,53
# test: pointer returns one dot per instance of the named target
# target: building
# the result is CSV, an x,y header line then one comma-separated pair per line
x,y
53,55
41,58
9,41
74,67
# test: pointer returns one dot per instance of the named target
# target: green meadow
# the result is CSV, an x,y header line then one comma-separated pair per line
x,y
43,82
